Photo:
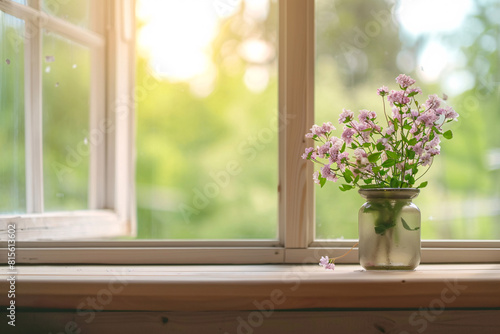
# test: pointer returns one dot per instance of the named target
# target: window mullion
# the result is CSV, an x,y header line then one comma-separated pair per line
x,y
297,111
33,117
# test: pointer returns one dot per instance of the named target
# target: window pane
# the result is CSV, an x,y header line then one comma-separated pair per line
x,y
12,163
73,11
207,119
363,45
66,105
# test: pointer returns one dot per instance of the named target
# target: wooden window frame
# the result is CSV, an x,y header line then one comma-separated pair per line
x,y
110,195
296,238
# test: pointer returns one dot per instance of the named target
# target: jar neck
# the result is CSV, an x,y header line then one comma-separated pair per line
x,y
389,193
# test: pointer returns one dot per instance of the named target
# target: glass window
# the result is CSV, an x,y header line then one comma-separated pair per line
x,y
66,105
207,119
364,45
12,156
73,11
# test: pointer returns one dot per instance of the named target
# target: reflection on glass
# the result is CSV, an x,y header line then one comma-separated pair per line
x,y
363,45
207,119
12,152
66,103
73,11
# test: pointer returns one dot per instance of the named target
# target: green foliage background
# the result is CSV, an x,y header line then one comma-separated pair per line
x,y
183,139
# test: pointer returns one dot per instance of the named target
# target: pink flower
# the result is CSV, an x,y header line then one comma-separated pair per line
x,y
334,150
347,135
426,160
440,111
450,113
398,97
434,142
414,113
316,177
383,91
413,90
428,118
342,158
366,115
361,157
434,151
396,114
404,81
325,262
328,174
323,149
360,128
306,153
418,148
319,131
390,129
346,116
433,102
327,127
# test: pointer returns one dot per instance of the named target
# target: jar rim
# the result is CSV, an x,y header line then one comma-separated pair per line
x,y
393,193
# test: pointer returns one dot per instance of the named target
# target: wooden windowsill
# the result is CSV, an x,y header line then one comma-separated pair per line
x,y
249,287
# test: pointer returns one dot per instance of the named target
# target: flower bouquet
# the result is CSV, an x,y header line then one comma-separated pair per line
x,y
371,155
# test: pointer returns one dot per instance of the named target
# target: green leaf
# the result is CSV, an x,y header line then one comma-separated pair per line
x,y
366,145
367,130
347,187
343,148
389,163
354,146
322,181
436,130
448,134
348,175
380,229
423,185
380,147
392,155
410,153
395,183
412,142
374,157
405,225
368,181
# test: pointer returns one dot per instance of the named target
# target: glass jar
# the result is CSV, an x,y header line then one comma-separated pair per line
x,y
389,229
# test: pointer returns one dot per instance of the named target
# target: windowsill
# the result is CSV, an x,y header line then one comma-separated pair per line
x,y
244,287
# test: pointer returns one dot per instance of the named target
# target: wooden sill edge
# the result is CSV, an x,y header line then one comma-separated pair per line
x,y
248,287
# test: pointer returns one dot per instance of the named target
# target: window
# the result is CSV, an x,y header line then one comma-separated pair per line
x,y
207,130
287,231
357,53
63,133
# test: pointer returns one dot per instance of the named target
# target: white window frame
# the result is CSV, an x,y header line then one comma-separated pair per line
x,y
296,240
111,172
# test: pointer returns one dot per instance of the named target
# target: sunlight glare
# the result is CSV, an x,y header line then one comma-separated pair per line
x,y
176,36
428,16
